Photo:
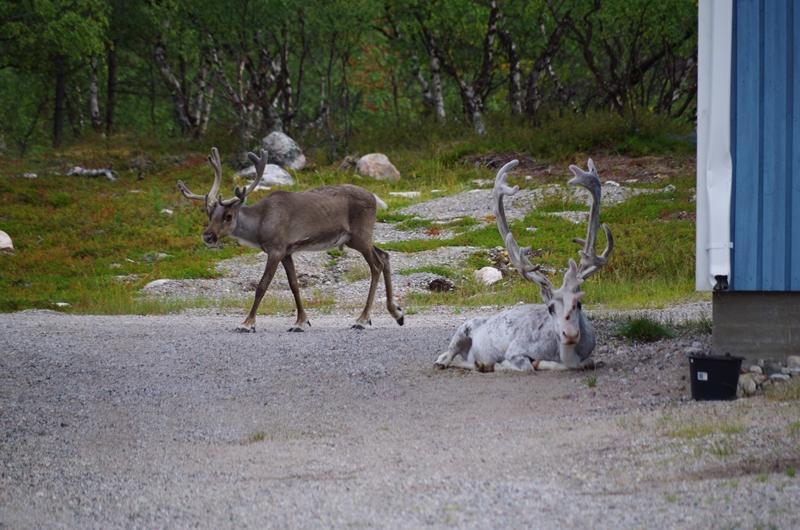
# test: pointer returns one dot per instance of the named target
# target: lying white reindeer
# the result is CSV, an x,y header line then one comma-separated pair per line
x,y
553,336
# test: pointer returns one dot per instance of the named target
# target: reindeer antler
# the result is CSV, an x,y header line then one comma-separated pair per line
x,y
517,255
241,194
590,262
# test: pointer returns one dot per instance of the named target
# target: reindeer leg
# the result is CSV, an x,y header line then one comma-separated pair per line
x,y
291,275
249,324
375,268
459,346
395,310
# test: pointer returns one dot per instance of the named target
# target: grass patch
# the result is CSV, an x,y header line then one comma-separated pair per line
x,y
356,273
786,391
591,381
699,428
643,329
73,235
432,269
255,437
701,326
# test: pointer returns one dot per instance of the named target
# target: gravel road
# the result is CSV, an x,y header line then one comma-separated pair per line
x,y
175,421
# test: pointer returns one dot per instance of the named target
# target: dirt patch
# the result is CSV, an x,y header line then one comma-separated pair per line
x,y
494,161
645,169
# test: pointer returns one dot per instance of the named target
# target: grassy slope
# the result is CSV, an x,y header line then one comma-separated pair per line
x,y
74,235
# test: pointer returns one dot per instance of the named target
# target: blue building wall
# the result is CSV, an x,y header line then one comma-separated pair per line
x,y
765,146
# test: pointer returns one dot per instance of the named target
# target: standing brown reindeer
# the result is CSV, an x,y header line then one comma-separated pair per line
x,y
287,222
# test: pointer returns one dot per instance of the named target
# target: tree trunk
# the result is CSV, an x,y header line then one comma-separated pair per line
x,y
60,96
94,103
111,86
436,88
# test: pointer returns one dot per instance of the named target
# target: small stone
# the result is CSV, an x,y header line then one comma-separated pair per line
x,y
405,194
793,362
115,266
631,181
756,369
440,285
482,183
669,188
273,175
377,166
6,245
488,275
611,183
155,284
29,175
779,377
167,211
283,151
528,178
62,304
771,367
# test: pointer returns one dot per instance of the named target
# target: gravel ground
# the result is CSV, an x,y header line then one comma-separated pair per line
x,y
345,279
478,203
174,421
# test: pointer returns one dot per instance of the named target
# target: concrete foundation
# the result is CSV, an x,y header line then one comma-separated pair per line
x,y
757,325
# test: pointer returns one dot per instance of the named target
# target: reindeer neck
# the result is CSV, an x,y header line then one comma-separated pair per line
x,y
247,226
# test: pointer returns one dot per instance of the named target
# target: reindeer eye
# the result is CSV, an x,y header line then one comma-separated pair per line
x,y
228,217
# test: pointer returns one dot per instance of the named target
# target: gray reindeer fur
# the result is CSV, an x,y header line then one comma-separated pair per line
x,y
553,336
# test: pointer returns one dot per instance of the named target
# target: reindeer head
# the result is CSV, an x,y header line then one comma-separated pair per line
x,y
563,304
223,213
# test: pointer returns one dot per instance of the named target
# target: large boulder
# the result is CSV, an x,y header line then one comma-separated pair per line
x,y
273,175
377,166
5,242
284,151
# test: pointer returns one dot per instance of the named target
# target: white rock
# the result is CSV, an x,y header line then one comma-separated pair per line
x,y
405,194
528,178
61,304
669,188
6,245
377,166
747,385
273,175
779,377
381,203
284,151
793,362
433,192
155,284
631,181
482,183
29,175
756,369
488,275
167,211
611,183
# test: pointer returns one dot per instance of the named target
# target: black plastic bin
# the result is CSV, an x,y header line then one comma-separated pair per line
x,y
714,377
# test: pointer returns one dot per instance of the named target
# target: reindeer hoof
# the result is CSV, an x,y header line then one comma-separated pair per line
x,y
401,320
296,329
357,326
439,366
242,328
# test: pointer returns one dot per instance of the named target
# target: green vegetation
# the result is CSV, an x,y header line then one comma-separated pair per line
x,y
643,329
787,391
591,381
693,428
433,269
